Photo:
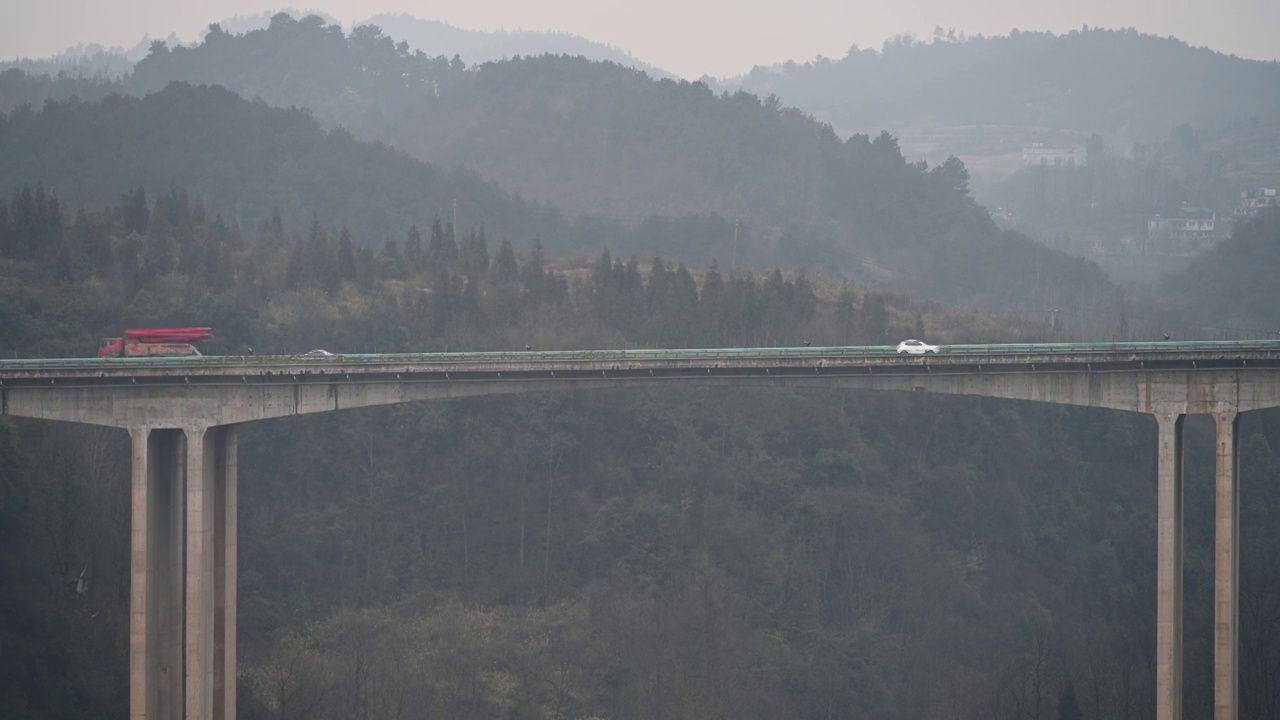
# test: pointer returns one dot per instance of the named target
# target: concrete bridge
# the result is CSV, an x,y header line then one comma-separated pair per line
x,y
183,415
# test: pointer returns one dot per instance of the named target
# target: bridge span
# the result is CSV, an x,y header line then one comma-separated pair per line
x,y
183,416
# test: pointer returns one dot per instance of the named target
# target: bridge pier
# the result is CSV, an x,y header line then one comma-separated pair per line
x,y
1226,563
1169,568
183,574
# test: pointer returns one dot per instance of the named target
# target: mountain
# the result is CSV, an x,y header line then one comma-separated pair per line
x,y
1163,124
477,47
244,159
1086,81
606,142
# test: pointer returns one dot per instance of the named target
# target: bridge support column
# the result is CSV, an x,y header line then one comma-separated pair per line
x,y
155,621
182,644
225,579
1226,605
1169,569
211,558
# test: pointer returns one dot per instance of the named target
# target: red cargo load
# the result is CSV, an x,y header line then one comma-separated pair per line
x,y
168,335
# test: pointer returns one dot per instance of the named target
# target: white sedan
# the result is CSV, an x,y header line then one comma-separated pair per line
x,y
916,347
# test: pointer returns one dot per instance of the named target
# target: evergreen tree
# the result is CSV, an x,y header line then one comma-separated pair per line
x,y
474,256
505,270
449,249
346,255
435,245
365,268
390,261
135,214
413,257
533,274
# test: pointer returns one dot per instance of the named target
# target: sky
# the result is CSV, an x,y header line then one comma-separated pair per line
x,y
690,38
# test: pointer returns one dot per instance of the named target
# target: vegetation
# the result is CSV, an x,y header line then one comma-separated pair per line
x,y
1087,81
744,552
853,208
686,553
1234,284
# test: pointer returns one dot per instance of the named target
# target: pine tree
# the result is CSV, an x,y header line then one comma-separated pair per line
x,y
135,215
392,265
346,255
413,257
504,270
474,256
449,249
533,274
435,245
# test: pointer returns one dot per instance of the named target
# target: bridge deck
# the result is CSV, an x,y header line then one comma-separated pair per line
x,y
954,359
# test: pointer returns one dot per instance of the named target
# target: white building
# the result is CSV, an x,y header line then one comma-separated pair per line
x,y
1187,225
1039,154
1254,201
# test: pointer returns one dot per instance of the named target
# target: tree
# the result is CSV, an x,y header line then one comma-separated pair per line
x,y
135,215
346,255
413,258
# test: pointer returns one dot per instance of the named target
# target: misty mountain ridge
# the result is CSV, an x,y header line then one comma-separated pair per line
x,y
244,157
434,37
1089,80
91,60
476,47
241,24
601,140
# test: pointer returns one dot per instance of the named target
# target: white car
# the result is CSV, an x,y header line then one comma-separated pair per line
x,y
916,347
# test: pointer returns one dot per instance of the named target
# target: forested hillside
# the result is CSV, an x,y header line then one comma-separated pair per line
x,y
755,183
244,158
1235,283
690,553
1085,81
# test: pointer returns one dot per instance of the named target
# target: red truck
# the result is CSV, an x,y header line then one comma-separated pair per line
x,y
145,342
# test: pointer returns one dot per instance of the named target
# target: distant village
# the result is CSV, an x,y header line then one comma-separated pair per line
x,y
1185,229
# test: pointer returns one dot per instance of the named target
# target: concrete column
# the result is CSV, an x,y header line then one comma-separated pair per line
x,y
155,621
1226,605
1169,569
224,590
201,444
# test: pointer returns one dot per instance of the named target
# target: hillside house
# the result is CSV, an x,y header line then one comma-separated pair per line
x,y
1186,227
1254,201
1041,155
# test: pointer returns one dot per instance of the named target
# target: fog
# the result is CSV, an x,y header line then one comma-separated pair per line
x,y
711,37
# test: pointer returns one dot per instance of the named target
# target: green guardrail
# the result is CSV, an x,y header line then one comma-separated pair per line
x,y
652,354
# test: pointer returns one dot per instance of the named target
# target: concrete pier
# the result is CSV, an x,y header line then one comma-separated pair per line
x,y
182,590
1226,564
1169,569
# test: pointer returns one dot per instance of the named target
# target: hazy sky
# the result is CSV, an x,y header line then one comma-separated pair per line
x,y
687,37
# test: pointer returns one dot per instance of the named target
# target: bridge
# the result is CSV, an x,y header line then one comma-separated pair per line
x,y
184,414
